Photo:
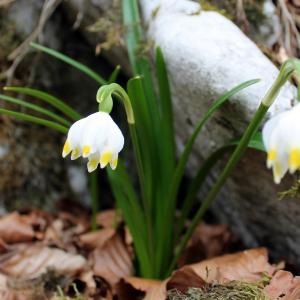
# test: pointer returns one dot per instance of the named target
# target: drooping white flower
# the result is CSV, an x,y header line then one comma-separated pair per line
x,y
96,137
281,136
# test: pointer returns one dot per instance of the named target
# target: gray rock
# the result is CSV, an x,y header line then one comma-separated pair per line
x,y
206,55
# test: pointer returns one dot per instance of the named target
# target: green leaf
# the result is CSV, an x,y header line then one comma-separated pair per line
x,y
55,102
140,63
33,119
255,143
189,145
131,21
127,201
36,108
81,67
144,149
166,115
114,75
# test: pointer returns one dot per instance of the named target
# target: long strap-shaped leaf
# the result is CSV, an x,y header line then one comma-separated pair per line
x,y
141,67
255,143
114,75
188,147
33,119
55,102
167,127
83,68
37,108
127,201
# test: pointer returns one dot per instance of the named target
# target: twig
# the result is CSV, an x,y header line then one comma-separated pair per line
x,y
289,25
241,15
20,52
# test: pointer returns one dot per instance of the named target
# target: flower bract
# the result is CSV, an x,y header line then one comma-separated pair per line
x,y
97,138
281,136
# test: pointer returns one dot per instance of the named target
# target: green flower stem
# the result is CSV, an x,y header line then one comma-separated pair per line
x,y
104,98
285,72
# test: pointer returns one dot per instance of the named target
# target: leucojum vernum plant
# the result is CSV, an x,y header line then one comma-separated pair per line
x,y
149,210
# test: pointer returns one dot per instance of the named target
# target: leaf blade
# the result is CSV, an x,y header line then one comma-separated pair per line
x,y
36,120
37,108
54,101
187,150
255,143
81,67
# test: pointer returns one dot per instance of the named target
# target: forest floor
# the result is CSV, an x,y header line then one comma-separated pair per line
x,y
47,256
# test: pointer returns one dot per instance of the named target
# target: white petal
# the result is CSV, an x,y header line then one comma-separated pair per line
x,y
280,168
268,129
114,162
76,132
281,137
93,162
76,153
96,131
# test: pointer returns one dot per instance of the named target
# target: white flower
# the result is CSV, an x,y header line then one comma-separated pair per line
x,y
96,137
281,136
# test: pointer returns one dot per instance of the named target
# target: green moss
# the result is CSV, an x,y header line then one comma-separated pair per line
x,y
253,9
213,6
235,290
155,11
110,26
292,192
60,295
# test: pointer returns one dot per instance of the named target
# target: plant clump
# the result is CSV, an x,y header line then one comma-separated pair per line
x,y
234,290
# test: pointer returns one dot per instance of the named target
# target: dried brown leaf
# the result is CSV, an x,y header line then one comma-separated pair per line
x,y
103,289
75,223
88,278
34,260
5,294
247,265
207,241
133,288
97,239
128,237
54,231
109,218
295,3
183,279
113,260
284,286
15,228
